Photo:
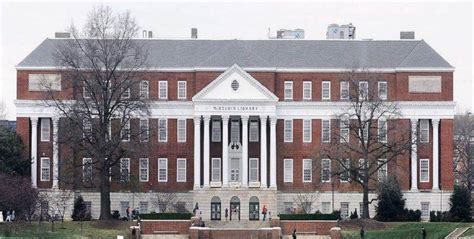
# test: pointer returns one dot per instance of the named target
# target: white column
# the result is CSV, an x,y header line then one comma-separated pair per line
x,y
245,150
435,155
55,153
206,150
263,151
197,152
34,150
225,149
414,155
273,159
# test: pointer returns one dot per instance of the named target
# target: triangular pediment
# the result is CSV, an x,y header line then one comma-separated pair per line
x,y
235,85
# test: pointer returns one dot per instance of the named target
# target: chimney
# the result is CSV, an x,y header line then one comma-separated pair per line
x,y
407,35
150,34
62,35
194,33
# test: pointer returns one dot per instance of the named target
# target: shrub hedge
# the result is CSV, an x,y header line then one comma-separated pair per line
x,y
311,216
166,216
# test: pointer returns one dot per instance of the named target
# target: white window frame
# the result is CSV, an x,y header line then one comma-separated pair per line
x,y
86,93
253,131
328,121
163,129
344,130
182,86
144,89
163,88
86,128
322,170
165,160
361,89
122,162
325,207
147,169
307,130
424,176
288,86
216,167
382,123
182,170
307,90
345,212
380,85
45,129
288,130
309,170
144,130
216,131
425,210
343,86
424,123
381,175
181,127
255,169
126,93
347,172
87,162
125,136
45,167
326,86
288,172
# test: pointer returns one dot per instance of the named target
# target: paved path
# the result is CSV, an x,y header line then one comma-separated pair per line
x,y
456,233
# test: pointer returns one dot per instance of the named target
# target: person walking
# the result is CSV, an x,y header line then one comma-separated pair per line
x,y
423,233
270,216
9,217
226,213
294,234
264,212
13,215
128,213
238,212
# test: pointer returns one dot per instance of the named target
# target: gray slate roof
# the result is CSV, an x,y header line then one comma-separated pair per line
x,y
332,54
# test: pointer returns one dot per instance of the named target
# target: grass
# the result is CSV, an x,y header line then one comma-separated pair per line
x,y
409,230
70,230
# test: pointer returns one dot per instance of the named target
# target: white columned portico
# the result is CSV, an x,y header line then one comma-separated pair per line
x,y
34,148
55,153
435,154
197,152
273,122
414,155
263,151
245,150
225,149
206,150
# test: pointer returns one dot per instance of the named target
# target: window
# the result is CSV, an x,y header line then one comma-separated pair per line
x,y
307,170
143,207
382,90
424,131
289,208
45,169
362,168
123,207
288,90
162,130
382,172
45,130
326,207
162,170
88,207
144,89
125,132
363,90
126,90
144,170
86,93
253,170
288,130
365,131
253,135
44,82
344,210
234,131
345,170
326,132
144,130
216,131
182,90
87,129
181,170
344,90
424,170
181,130
307,131
288,168
382,128
326,90
216,170
307,90
87,169
325,170
163,90
425,210
124,170
344,131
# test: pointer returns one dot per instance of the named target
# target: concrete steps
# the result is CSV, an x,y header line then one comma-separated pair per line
x,y
236,224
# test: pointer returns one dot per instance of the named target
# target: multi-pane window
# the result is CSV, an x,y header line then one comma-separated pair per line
x,y
382,130
253,134
325,170
344,210
288,170
424,170
162,170
45,130
425,210
363,90
345,170
307,90
344,91
126,90
144,89
325,207
382,172
365,131
288,130
307,170
424,131
216,131
234,131
326,130
87,128
253,169
163,90
382,90
144,130
181,128
124,170
85,92
216,170
344,131
326,90
45,169
181,90
125,131
143,207
87,169
181,170
162,130
288,93
307,131
144,167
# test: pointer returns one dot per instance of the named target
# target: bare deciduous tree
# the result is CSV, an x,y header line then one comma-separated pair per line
x,y
306,201
164,200
60,201
464,148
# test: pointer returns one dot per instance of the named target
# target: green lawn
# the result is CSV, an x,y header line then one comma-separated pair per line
x,y
70,230
409,230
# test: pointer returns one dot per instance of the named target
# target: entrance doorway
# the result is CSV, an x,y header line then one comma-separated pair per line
x,y
235,208
254,209
215,208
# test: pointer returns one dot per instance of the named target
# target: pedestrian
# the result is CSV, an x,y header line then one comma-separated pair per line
x,y
231,213
238,212
362,232
226,213
423,233
294,234
270,216
128,213
9,217
13,215
264,212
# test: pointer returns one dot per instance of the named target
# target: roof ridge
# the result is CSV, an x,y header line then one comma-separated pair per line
x,y
412,50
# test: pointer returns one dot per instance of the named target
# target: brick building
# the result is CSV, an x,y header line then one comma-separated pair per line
x,y
240,121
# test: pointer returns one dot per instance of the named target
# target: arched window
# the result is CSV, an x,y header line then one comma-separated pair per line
x,y
254,208
215,208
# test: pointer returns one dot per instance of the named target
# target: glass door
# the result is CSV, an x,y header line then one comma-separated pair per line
x,y
216,211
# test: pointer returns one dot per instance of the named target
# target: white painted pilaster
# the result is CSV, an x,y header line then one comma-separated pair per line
x,y
414,155
34,150
55,153
206,150
225,149
435,154
197,152
245,150
273,160
263,151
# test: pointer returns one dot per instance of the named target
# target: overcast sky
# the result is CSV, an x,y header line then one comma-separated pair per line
x,y
447,27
